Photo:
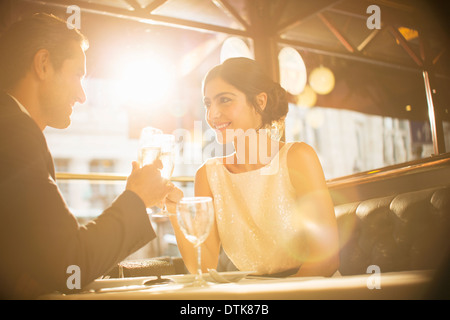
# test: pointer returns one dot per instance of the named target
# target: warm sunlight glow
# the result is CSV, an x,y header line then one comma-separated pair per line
x,y
143,79
310,219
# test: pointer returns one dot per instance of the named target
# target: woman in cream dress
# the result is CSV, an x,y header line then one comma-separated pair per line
x,y
273,211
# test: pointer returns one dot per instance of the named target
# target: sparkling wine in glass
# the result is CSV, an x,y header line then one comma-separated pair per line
x,y
147,155
195,217
149,150
166,143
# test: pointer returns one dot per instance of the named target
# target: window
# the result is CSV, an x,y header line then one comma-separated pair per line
x,y
367,121
101,195
63,165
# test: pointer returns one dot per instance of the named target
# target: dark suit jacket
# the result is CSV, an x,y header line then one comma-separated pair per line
x,y
39,237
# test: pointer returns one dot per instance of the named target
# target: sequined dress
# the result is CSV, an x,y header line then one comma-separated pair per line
x,y
259,227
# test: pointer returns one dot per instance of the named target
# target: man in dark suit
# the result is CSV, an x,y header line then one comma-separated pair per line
x,y
42,63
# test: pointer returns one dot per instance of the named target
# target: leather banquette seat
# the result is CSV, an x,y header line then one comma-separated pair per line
x,y
407,231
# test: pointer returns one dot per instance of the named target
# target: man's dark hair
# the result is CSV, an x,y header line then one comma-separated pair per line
x,y
23,39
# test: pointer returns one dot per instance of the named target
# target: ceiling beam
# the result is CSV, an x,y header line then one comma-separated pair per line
x,y
154,5
265,46
278,11
318,7
141,16
149,18
368,39
133,3
226,7
439,55
356,56
402,41
336,33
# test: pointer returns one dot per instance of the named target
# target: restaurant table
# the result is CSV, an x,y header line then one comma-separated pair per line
x,y
395,285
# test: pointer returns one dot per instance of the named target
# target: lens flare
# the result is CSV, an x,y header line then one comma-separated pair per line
x,y
142,79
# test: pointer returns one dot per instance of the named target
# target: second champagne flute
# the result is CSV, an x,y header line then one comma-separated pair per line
x,y
195,217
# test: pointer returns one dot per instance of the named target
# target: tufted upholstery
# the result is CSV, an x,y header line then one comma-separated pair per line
x,y
408,231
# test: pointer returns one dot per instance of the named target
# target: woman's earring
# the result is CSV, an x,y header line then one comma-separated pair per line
x,y
276,129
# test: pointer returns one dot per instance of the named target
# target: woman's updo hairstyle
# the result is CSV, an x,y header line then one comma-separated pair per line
x,y
247,76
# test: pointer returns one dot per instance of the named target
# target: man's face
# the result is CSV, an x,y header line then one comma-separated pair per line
x,y
63,89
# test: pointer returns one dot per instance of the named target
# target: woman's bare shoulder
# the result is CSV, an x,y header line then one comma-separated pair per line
x,y
301,151
305,169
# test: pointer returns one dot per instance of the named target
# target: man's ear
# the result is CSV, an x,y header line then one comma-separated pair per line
x,y
261,100
42,64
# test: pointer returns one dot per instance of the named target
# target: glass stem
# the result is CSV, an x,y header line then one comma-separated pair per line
x,y
199,262
121,271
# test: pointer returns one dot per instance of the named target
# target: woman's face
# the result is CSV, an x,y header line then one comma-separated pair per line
x,y
228,112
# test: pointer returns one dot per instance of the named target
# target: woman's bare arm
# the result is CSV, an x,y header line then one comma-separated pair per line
x,y
316,210
211,247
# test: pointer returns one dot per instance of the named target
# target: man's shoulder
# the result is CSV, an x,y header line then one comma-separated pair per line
x,y
14,124
20,138
8,107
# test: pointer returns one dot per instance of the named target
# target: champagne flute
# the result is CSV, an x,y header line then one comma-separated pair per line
x,y
166,144
154,144
195,217
149,149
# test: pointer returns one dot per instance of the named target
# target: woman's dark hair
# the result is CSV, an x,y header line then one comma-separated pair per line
x,y
23,39
247,76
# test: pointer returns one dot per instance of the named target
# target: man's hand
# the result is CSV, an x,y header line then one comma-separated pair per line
x,y
148,184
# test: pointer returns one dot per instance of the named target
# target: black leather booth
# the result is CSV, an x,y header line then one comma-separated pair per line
x,y
407,231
